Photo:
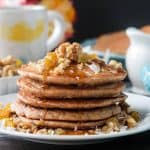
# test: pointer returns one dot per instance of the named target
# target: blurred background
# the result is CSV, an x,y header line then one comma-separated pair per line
x,y
99,25
93,18
102,16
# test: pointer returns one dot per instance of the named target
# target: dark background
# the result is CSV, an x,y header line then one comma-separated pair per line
x,y
95,17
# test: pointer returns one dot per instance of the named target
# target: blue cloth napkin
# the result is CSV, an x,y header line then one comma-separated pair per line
x,y
145,76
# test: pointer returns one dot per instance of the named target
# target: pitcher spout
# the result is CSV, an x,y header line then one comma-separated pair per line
x,y
133,31
136,36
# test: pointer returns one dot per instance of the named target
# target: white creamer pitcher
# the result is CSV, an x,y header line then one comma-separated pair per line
x,y
138,55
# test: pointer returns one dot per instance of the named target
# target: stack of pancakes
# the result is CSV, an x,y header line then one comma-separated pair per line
x,y
61,101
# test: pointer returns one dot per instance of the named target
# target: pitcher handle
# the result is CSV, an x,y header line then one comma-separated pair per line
x,y
58,32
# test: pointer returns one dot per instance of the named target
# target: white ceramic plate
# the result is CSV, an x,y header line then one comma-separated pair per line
x,y
139,103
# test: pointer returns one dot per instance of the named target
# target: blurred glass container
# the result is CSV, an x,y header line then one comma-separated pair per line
x,y
145,76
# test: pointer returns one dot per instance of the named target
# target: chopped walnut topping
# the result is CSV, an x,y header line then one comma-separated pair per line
x,y
9,66
66,55
8,60
111,124
60,68
106,129
115,64
69,51
131,122
80,66
42,131
87,58
61,50
69,55
59,131
39,65
135,115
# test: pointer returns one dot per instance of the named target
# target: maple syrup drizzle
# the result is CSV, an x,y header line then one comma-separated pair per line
x,y
74,72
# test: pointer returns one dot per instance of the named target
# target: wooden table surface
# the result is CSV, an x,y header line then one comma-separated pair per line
x,y
135,142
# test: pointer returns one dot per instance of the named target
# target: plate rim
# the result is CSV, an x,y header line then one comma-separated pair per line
x,y
71,137
74,138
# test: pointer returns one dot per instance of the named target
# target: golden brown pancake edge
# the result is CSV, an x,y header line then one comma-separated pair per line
x,y
51,91
79,103
22,109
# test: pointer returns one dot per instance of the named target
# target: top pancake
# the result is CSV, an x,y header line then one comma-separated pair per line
x,y
96,79
70,65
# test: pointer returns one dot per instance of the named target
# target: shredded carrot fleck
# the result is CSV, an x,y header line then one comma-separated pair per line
x,y
5,112
9,122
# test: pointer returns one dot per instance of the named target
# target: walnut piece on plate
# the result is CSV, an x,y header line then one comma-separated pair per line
x,y
9,66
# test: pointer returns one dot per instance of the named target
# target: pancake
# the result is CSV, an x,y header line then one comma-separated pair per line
x,y
52,91
95,79
68,103
22,109
63,124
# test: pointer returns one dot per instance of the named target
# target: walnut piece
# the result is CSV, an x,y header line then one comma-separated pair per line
x,y
42,131
59,131
9,66
115,64
131,122
69,51
135,115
